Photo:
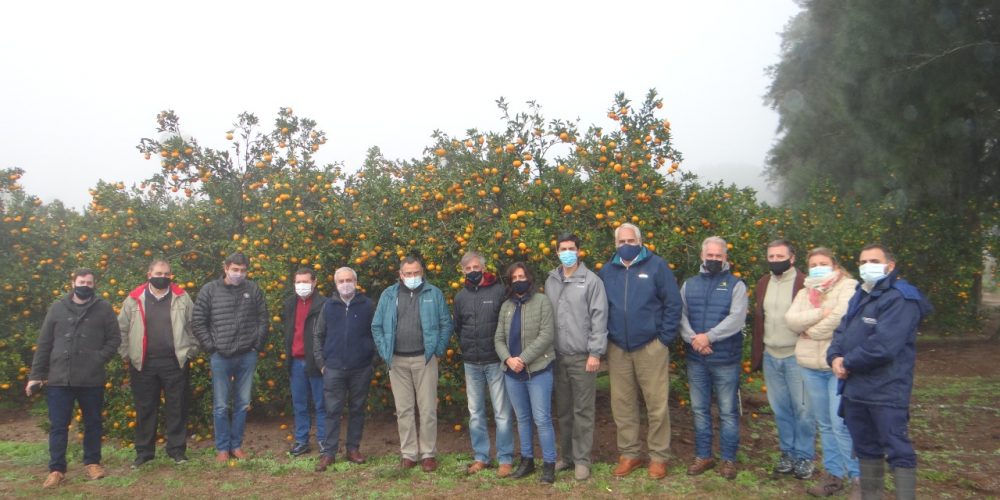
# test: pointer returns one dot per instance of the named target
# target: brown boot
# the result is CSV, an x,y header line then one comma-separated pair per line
x,y
239,454
355,456
476,467
94,471
429,464
505,470
700,465
324,462
222,457
657,469
625,466
55,478
828,485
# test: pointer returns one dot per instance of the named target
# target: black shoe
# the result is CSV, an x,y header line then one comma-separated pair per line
x,y
525,467
139,461
548,473
180,459
299,449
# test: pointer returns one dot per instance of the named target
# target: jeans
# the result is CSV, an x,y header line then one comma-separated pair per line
x,y
160,375
724,381
532,402
821,387
231,378
306,389
786,395
60,399
342,387
480,378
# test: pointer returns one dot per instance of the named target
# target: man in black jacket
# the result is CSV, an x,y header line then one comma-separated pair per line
x,y
79,336
230,322
299,319
344,351
477,308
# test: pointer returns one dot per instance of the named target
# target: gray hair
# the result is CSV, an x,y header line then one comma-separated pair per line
x,y
633,227
715,240
345,269
472,255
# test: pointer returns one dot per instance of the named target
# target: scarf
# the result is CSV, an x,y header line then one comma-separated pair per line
x,y
819,286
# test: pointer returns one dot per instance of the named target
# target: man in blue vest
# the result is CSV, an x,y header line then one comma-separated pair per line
x,y
715,310
873,353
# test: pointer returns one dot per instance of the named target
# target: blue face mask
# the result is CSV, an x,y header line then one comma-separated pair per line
x,y
629,252
820,272
568,258
871,272
413,282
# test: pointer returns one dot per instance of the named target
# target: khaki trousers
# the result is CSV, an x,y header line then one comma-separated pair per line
x,y
414,387
575,390
645,370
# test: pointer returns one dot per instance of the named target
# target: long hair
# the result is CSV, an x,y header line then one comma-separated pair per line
x,y
510,272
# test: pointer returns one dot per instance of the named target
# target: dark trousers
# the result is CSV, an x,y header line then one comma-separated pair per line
x,y
160,375
348,387
880,432
61,399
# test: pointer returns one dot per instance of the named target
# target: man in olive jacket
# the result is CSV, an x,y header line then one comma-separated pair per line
x,y
230,321
79,336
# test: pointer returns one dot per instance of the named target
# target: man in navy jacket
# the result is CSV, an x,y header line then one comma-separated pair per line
x,y
873,353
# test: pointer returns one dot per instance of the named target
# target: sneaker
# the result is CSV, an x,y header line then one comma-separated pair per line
x,y
581,472
180,459
299,449
139,461
804,468
828,485
785,465
55,478
94,471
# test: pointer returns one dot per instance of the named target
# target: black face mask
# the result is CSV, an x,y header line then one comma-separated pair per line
x,y
474,277
713,266
160,282
84,292
520,287
779,267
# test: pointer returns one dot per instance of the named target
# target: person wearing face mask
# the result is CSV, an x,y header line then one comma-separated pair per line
x,y
644,309
298,316
157,343
580,307
524,343
411,329
714,314
477,307
230,321
79,336
814,314
343,354
873,354
773,348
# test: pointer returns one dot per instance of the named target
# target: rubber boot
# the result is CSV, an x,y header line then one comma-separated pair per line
x,y
548,473
872,478
525,467
906,483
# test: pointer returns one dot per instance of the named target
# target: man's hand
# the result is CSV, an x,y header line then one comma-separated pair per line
x,y
827,311
700,342
32,384
593,363
322,369
515,364
838,368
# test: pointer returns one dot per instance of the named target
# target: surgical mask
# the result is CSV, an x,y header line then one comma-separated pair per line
x,y
303,290
160,282
629,252
871,272
474,277
713,266
779,267
235,278
568,258
520,287
346,289
84,292
820,272
413,282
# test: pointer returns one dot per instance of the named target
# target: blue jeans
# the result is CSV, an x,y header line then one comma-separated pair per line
x,y
821,387
478,380
724,380
304,390
60,399
231,378
532,402
350,388
786,395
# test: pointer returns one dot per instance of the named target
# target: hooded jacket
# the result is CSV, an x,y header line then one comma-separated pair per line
x,y
132,322
580,307
230,319
477,308
75,343
644,303
288,320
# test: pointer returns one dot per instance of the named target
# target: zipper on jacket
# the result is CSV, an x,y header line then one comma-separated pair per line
x,y
627,270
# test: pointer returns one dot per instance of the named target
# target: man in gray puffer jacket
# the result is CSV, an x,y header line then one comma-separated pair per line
x,y
230,321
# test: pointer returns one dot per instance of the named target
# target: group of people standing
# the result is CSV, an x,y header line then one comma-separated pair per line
x,y
832,351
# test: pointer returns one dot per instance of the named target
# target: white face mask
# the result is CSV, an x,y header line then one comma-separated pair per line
x,y
871,272
303,290
820,272
413,281
346,289
235,278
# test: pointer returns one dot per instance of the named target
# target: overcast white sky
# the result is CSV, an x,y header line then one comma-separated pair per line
x,y
81,82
